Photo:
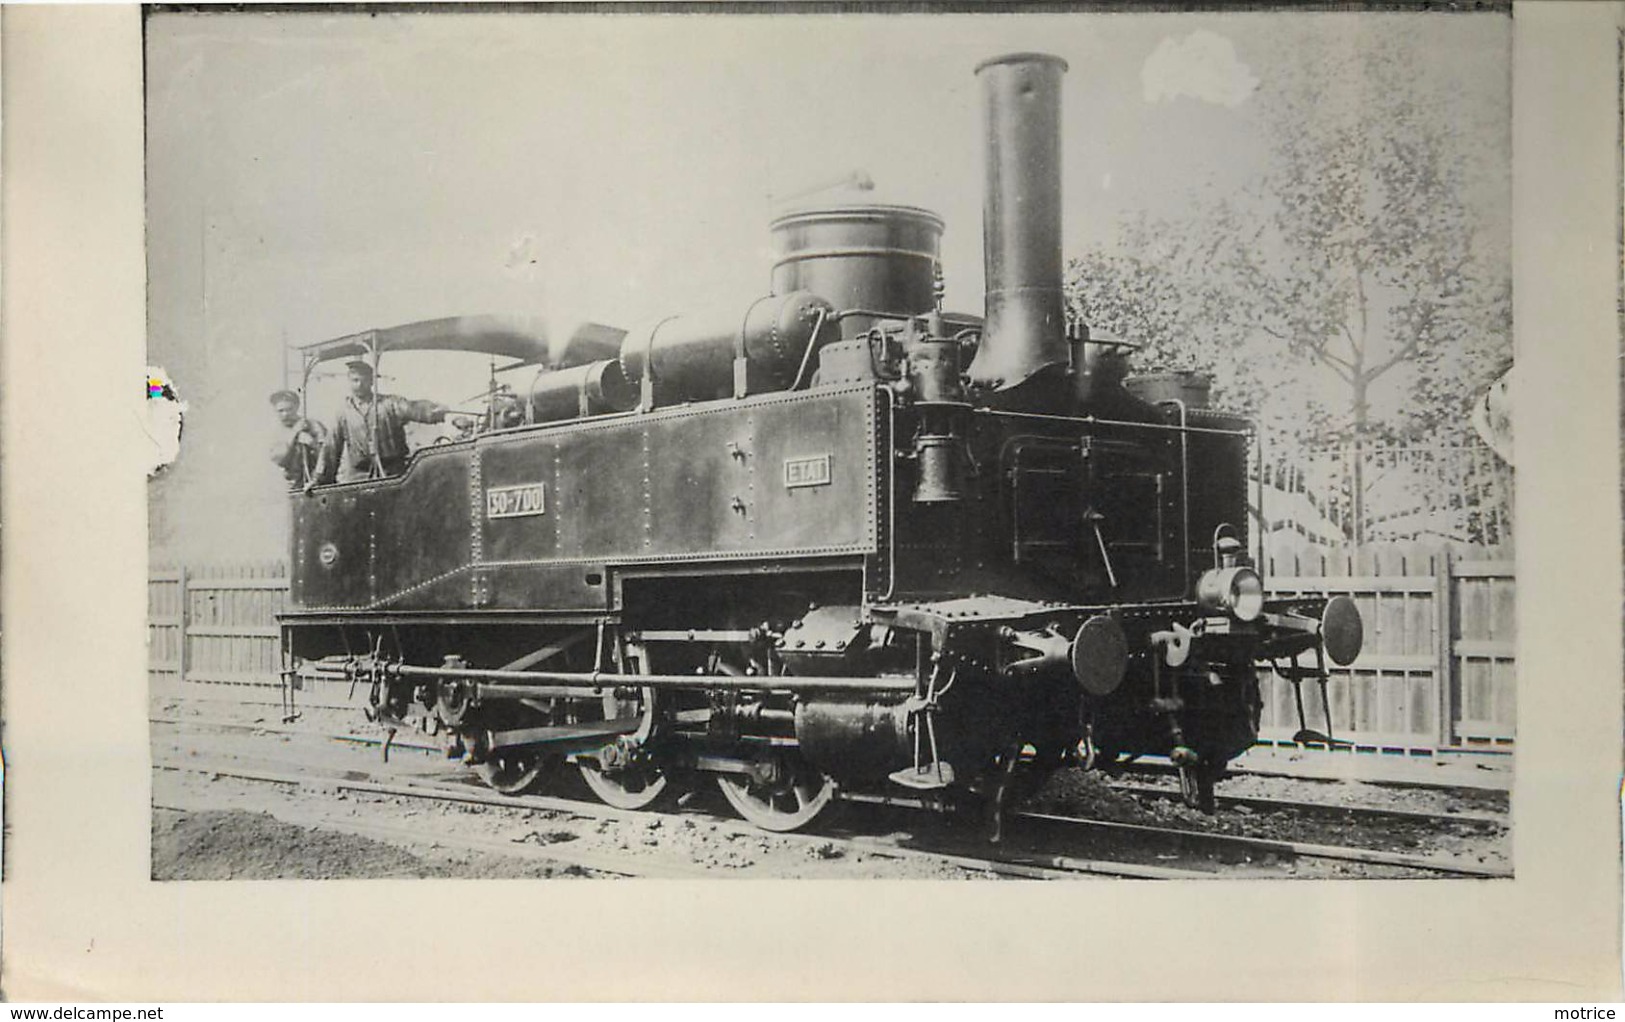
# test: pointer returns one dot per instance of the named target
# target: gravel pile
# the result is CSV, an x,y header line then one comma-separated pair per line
x,y
238,845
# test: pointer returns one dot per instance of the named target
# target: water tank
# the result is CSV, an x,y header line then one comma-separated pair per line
x,y
874,256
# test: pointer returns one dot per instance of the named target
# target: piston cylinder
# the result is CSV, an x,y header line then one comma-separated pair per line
x,y
870,256
1021,220
593,389
853,741
730,351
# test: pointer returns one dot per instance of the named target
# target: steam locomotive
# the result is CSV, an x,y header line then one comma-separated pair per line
x,y
837,541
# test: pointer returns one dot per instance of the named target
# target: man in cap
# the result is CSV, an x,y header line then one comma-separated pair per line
x,y
368,439
298,440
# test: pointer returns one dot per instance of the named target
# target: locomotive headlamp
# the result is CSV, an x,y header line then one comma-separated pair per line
x,y
1237,591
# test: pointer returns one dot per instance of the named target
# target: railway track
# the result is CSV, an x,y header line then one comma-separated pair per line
x,y
1015,865
1036,829
1493,790
1247,846
1344,811
600,863
1156,770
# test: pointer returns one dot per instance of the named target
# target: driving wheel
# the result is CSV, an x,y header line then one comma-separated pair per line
x,y
639,784
784,794
634,787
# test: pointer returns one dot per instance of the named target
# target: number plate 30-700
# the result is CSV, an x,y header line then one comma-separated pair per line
x,y
516,501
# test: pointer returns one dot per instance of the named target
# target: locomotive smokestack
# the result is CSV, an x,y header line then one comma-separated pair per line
x,y
1021,222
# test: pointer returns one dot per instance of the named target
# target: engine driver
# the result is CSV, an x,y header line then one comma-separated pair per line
x,y
368,439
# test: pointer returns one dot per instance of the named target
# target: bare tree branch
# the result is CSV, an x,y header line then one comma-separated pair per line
x,y
1401,355
1344,372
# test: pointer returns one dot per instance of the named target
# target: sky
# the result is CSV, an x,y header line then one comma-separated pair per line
x,y
314,174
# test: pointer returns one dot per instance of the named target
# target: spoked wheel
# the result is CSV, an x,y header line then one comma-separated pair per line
x,y
638,787
640,784
511,771
789,799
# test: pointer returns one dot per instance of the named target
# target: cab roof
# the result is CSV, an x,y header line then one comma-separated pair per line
x,y
529,339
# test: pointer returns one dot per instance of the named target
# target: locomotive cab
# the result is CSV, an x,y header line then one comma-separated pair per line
x,y
488,372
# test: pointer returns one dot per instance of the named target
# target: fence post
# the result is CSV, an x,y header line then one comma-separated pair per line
x,y
1444,645
184,661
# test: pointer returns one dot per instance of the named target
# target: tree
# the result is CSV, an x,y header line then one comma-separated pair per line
x,y
1368,249
1154,292
1368,259
1371,253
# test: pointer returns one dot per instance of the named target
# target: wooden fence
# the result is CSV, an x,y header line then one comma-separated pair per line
x,y
212,629
1435,675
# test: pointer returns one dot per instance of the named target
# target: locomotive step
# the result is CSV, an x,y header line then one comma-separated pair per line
x,y
929,777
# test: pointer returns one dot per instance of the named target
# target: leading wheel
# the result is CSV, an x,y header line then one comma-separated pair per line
x,y
785,798
511,771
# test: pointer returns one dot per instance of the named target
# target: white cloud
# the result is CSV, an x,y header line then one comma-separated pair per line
x,y
1202,65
